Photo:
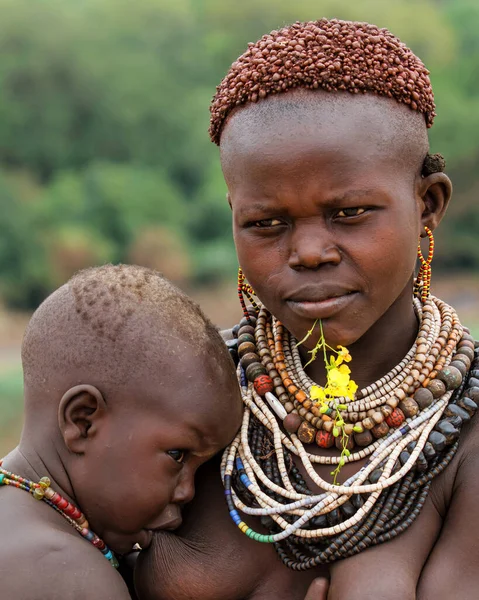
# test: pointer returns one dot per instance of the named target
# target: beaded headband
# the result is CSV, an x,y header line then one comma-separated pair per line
x,y
332,55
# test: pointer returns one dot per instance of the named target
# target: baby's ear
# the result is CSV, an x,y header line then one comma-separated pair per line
x,y
80,413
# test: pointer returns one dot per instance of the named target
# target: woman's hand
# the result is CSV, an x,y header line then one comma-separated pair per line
x,y
318,590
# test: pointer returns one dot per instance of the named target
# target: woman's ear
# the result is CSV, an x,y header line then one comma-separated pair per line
x,y
80,413
435,190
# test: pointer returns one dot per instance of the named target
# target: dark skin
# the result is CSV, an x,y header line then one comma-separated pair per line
x,y
328,203
125,454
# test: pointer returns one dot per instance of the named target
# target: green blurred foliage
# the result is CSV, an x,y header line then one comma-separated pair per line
x,y
103,128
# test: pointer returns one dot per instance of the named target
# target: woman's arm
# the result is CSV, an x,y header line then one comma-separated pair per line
x,y
452,570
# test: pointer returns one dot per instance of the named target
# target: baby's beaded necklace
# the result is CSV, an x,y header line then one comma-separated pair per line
x,y
43,491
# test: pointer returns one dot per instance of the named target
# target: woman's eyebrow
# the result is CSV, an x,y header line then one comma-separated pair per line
x,y
261,207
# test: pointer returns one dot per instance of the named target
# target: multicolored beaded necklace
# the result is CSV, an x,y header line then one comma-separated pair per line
x,y
43,491
406,425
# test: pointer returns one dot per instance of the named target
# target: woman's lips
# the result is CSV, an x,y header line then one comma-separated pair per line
x,y
321,309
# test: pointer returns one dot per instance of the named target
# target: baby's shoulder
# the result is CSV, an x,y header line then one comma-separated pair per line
x,y
38,555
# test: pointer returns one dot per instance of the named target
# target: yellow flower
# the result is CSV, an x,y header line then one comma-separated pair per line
x,y
317,393
343,353
352,389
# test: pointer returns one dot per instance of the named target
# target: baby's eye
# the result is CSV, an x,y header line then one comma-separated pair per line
x,y
351,212
177,455
267,223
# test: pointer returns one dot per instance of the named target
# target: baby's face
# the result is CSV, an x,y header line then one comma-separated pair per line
x,y
139,471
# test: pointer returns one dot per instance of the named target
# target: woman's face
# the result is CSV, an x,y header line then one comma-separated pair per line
x,y
326,213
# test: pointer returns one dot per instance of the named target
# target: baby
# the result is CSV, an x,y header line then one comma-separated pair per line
x,y
128,390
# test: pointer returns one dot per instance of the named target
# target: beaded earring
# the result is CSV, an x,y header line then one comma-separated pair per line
x,y
423,280
245,289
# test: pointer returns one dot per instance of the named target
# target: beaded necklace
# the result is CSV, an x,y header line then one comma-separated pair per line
x,y
406,425
43,491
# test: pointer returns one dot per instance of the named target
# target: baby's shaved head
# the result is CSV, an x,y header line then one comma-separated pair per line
x,y
109,325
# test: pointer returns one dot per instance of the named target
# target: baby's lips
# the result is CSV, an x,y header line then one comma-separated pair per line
x,y
169,519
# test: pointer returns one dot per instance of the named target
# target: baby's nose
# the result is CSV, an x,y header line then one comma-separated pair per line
x,y
184,491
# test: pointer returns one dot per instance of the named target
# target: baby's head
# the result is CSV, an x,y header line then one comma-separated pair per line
x,y
129,387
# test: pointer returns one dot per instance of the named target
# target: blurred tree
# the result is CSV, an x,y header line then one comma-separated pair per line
x,y
162,249
105,103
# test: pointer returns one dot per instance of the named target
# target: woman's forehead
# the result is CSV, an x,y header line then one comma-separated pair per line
x,y
312,124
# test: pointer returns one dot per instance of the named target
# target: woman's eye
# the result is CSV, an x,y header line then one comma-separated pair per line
x,y
177,455
267,223
351,212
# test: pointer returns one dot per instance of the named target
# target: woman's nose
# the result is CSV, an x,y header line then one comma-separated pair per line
x,y
311,247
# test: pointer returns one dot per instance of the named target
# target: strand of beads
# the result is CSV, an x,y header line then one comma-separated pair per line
x,y
385,496
43,492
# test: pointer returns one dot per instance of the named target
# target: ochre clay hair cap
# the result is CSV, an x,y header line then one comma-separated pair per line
x,y
330,54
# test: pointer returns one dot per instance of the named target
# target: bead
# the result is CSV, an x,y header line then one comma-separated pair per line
x,y
380,430
429,451
437,388
465,351
62,503
404,457
235,330
333,517
339,443
453,410
468,405
45,482
263,384
421,463
246,330
247,339
386,410
437,440
324,439
249,358
254,371
245,348
377,417
375,476
245,322
392,402
396,418
461,358
368,423
348,509
292,422
306,433
451,377
473,393
38,493
409,407
357,500
447,430
423,397
319,522
455,421
460,366
328,426
363,439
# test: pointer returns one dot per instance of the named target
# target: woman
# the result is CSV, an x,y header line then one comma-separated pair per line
x,y
330,191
